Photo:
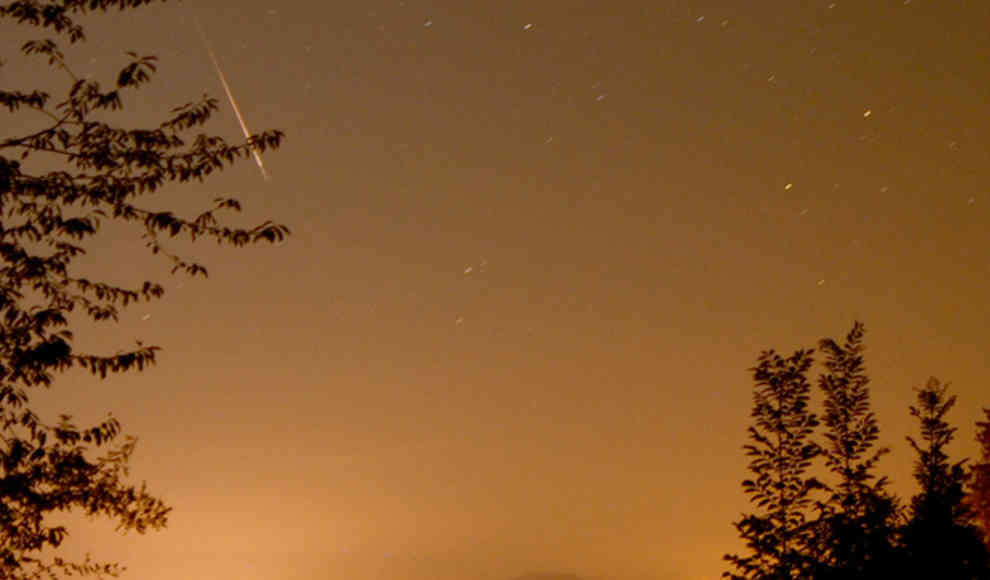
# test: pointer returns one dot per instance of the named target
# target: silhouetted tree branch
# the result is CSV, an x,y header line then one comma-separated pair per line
x,y
45,218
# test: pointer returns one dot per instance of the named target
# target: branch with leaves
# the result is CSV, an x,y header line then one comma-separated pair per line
x,y
45,219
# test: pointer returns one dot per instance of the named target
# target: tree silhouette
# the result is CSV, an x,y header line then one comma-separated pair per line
x,y
778,536
940,539
857,523
45,216
978,498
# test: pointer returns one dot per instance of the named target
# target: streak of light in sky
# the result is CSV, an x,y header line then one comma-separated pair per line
x,y
230,97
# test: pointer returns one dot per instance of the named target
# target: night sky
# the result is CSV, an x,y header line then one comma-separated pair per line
x,y
536,245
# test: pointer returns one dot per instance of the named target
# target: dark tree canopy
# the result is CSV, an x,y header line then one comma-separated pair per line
x,y
781,451
849,527
978,498
851,427
940,538
46,216
858,518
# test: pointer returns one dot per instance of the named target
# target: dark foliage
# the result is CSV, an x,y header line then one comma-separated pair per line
x,y
45,218
978,498
778,535
857,522
940,539
853,529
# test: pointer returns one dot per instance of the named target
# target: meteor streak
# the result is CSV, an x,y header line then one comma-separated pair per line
x,y
230,97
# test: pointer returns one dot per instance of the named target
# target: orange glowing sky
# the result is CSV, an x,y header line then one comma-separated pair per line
x,y
536,247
